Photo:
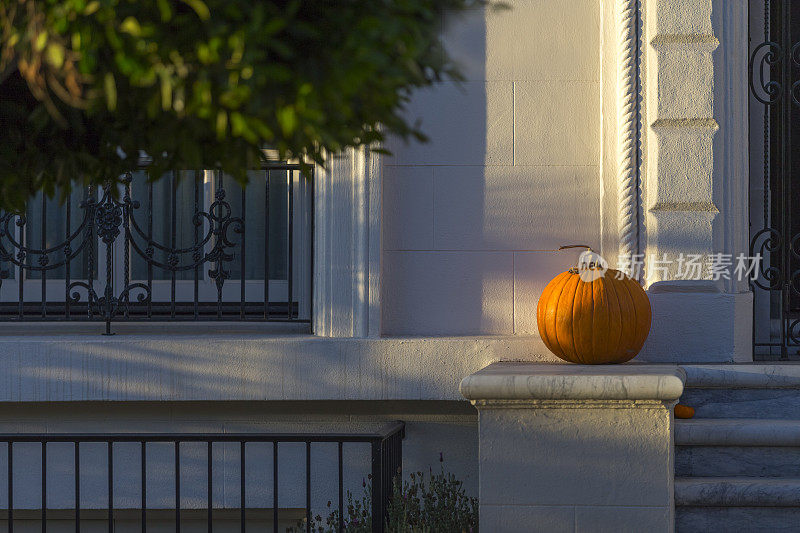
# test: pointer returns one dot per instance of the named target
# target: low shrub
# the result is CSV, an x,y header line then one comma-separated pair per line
x,y
432,503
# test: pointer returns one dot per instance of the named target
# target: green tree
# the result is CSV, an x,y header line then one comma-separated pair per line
x,y
85,85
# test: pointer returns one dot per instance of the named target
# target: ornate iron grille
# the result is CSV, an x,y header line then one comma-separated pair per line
x,y
193,245
386,459
774,71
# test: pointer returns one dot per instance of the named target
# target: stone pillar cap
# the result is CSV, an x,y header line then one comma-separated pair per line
x,y
532,381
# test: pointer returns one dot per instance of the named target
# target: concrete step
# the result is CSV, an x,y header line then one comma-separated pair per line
x,y
743,390
737,519
735,461
743,376
743,403
737,432
737,447
737,492
737,504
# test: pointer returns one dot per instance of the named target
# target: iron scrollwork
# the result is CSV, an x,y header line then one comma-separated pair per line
x,y
775,90
108,221
764,57
764,243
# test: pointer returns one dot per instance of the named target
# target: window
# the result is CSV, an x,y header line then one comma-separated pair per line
x,y
192,245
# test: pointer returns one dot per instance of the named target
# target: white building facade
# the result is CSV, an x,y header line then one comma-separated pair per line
x,y
624,125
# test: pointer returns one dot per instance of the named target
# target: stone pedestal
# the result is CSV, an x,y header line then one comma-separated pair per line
x,y
575,448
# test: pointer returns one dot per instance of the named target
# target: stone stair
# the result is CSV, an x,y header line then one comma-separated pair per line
x,y
737,463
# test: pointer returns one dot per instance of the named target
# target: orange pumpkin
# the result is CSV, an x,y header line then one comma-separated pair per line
x,y
605,320
683,411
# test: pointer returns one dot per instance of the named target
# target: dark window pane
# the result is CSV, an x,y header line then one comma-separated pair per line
x,y
255,239
187,234
56,233
168,232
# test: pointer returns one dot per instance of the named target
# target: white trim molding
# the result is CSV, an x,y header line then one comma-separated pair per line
x,y
347,263
629,125
731,95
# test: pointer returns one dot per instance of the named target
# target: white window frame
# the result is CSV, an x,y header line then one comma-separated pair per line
x,y
347,245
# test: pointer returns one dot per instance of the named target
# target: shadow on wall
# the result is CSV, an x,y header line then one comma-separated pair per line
x,y
511,169
431,283
129,370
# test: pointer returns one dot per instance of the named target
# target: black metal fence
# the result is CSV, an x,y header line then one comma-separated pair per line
x,y
386,461
193,245
774,72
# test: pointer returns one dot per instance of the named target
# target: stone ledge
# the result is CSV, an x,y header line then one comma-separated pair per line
x,y
531,381
737,432
743,376
244,365
737,492
569,404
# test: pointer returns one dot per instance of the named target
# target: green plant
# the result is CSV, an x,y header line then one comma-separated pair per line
x,y
357,515
85,85
436,504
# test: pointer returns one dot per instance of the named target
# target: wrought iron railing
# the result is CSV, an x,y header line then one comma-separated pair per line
x,y
193,245
774,69
386,455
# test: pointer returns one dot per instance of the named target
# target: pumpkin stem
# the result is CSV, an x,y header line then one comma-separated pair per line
x,y
575,246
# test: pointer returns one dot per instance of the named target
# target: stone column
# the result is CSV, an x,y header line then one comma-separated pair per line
x,y
694,173
575,448
679,84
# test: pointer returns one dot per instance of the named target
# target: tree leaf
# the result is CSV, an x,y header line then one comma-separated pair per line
x,y
206,83
131,25
41,41
200,8
111,91
55,54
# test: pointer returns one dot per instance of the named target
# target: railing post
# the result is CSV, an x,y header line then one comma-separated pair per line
x,y
387,460
394,463
378,496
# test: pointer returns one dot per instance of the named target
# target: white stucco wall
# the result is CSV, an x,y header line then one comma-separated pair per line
x,y
524,157
513,166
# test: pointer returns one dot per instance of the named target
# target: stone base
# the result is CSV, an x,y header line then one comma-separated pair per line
x,y
699,327
588,449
